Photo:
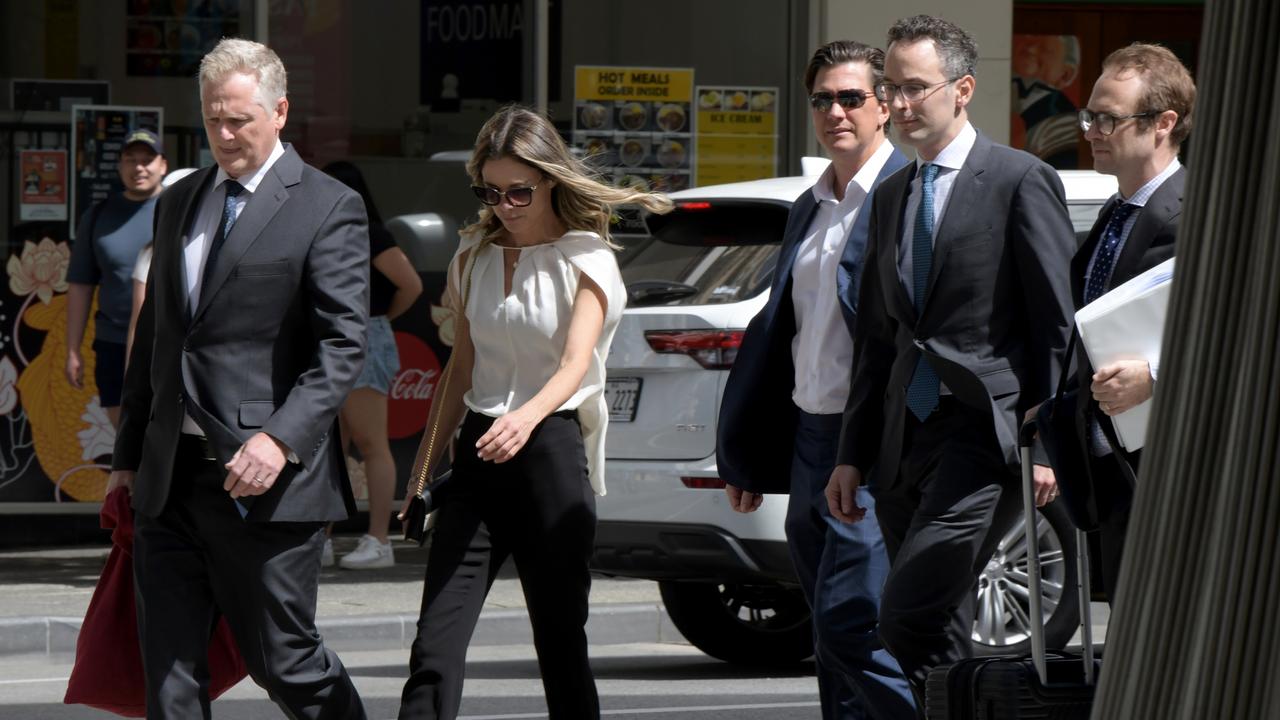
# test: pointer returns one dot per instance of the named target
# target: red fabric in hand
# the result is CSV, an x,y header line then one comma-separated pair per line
x,y
108,669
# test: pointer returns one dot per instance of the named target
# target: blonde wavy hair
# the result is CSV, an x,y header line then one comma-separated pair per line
x,y
578,198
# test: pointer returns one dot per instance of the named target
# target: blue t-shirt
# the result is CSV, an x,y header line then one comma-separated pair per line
x,y
108,240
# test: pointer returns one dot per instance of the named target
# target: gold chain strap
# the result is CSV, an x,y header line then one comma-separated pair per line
x,y
444,384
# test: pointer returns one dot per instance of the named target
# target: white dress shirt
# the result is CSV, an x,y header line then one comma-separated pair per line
x,y
822,348
196,242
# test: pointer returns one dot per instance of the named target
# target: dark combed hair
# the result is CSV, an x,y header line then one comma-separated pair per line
x,y
955,47
840,52
1166,84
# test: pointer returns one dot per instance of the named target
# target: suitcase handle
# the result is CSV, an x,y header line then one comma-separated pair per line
x,y
1026,438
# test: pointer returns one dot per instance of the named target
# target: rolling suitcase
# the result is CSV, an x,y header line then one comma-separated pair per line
x,y
1058,687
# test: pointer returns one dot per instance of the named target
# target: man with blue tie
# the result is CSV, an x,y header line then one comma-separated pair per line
x,y
1136,120
794,367
963,323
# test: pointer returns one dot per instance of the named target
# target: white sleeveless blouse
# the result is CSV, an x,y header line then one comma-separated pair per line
x,y
519,339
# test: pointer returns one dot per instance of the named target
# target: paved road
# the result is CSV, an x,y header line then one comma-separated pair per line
x,y
636,681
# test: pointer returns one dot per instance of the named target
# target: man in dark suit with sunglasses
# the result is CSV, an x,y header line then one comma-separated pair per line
x,y
794,367
963,323
1137,118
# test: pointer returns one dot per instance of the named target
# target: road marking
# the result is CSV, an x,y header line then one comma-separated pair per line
x,y
654,710
33,680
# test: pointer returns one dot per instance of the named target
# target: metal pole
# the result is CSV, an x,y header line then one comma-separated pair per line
x,y
262,21
541,53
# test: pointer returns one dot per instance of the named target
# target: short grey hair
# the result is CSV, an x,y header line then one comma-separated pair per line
x,y
235,55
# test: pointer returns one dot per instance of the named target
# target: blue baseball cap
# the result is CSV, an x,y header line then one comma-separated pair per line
x,y
146,137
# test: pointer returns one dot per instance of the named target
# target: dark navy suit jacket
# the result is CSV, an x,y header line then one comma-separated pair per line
x,y
755,432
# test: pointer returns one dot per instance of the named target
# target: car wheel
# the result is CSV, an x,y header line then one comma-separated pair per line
x,y
757,625
1001,625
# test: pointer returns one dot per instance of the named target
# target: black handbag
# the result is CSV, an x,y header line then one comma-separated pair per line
x,y
429,496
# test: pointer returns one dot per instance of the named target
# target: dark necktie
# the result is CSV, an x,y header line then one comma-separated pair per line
x,y
224,229
1104,260
922,393
1095,286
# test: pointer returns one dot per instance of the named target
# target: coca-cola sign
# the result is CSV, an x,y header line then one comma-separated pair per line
x,y
414,384
413,389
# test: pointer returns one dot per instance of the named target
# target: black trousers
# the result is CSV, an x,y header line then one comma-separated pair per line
x,y
539,509
198,560
1115,503
954,498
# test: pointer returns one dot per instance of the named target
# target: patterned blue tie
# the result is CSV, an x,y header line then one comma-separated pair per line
x,y
922,393
1105,259
1095,286
224,229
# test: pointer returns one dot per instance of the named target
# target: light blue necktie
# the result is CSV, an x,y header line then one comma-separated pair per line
x,y
922,393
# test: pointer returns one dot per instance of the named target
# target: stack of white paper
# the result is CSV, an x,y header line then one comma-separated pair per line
x,y
1128,324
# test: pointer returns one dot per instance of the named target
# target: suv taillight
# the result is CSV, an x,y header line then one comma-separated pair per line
x,y
712,349
702,483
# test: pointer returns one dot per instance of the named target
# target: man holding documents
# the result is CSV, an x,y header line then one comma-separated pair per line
x,y
1135,121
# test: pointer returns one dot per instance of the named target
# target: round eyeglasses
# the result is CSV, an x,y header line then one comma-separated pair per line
x,y
911,92
517,196
847,99
1106,122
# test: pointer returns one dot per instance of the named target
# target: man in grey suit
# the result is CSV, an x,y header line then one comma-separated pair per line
x,y
250,338
1136,120
963,322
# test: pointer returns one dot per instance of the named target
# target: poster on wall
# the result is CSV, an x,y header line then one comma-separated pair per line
x,y
1046,96
635,125
97,132
168,37
42,185
737,133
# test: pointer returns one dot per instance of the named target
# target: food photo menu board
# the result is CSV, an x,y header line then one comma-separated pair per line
x,y
737,136
635,126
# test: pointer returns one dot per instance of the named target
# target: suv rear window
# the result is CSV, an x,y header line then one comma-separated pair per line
x,y
704,253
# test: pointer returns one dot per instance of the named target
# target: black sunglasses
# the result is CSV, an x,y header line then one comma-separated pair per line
x,y
848,99
517,196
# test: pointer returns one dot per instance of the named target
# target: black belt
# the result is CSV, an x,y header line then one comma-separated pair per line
x,y
196,446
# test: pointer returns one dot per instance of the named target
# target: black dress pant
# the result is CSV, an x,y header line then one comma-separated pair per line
x,y
200,559
954,498
539,509
1114,496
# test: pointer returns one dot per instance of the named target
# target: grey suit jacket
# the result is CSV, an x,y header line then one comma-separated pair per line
x,y
997,308
275,344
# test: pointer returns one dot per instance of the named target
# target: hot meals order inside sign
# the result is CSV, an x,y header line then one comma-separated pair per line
x,y
635,124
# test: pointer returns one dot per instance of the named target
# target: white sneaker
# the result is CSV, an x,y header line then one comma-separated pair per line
x,y
369,553
326,555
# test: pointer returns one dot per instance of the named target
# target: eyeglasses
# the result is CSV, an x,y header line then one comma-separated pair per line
x,y
1107,122
517,196
911,92
847,99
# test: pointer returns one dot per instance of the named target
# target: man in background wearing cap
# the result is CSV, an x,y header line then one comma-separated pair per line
x,y
108,239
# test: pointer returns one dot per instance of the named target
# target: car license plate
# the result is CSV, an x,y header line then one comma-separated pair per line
x,y
622,394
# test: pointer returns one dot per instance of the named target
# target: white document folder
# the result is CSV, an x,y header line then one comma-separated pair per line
x,y
1128,324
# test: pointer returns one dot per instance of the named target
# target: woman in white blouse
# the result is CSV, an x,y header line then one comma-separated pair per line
x,y
543,298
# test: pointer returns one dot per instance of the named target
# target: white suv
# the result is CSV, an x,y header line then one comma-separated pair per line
x,y
726,578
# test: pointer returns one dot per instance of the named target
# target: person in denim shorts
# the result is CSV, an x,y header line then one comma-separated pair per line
x,y
394,285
